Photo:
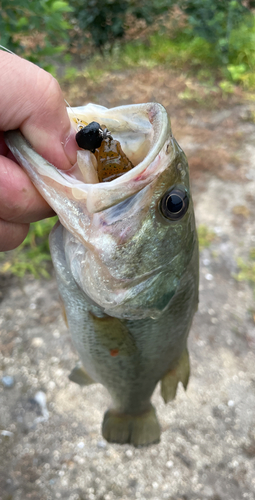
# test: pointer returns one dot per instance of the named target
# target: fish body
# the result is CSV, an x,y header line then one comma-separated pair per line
x,y
126,259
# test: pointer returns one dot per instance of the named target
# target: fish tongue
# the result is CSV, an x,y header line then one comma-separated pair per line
x,y
87,164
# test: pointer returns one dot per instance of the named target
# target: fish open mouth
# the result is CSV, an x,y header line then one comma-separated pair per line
x,y
141,131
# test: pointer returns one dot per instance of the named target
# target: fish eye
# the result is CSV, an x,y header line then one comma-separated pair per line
x,y
174,204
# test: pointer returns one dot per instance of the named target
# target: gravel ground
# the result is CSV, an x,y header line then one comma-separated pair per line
x,y
50,441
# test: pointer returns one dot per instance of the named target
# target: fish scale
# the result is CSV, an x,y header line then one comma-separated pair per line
x,y
125,254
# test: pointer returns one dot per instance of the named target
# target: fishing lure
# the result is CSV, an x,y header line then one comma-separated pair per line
x,y
111,160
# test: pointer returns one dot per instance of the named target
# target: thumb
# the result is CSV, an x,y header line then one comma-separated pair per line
x,y
31,100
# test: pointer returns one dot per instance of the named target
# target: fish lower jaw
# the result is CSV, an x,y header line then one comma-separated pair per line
x,y
122,303
128,311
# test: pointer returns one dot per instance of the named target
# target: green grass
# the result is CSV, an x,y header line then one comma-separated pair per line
x,y
33,255
158,49
177,51
247,269
184,52
205,236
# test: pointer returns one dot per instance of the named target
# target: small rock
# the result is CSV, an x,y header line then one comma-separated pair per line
x,y
6,433
8,381
101,444
40,399
209,277
80,445
37,342
169,464
206,262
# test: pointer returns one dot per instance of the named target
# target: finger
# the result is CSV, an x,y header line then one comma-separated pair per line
x,y
3,147
31,100
11,235
19,200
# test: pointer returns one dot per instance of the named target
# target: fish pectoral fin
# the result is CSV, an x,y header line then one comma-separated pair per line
x,y
139,430
180,373
113,335
79,376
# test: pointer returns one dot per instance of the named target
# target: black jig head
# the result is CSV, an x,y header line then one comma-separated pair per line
x,y
91,136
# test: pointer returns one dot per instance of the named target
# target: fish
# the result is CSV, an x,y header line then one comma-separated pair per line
x,y
125,253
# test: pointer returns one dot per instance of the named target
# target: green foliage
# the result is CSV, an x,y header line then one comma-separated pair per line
x,y
247,269
33,254
150,10
219,33
105,22
165,50
71,74
34,29
226,87
242,54
214,21
205,236
194,52
102,21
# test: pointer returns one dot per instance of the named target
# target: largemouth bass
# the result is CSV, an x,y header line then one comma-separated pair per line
x,y
126,259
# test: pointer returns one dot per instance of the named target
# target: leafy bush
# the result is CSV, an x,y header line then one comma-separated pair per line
x,y
105,22
57,24
149,11
44,19
102,21
215,20
242,54
192,51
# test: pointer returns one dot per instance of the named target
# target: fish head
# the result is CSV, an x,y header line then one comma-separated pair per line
x,y
128,241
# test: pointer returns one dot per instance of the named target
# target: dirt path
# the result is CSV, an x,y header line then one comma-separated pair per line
x,y
207,450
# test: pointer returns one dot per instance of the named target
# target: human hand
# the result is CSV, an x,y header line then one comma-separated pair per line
x,y
31,100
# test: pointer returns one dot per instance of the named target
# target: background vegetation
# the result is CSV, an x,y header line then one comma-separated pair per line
x,y
215,39
200,31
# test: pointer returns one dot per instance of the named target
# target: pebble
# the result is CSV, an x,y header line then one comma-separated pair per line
x,y
206,262
6,433
169,464
101,444
80,445
40,398
231,403
37,342
8,381
209,277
